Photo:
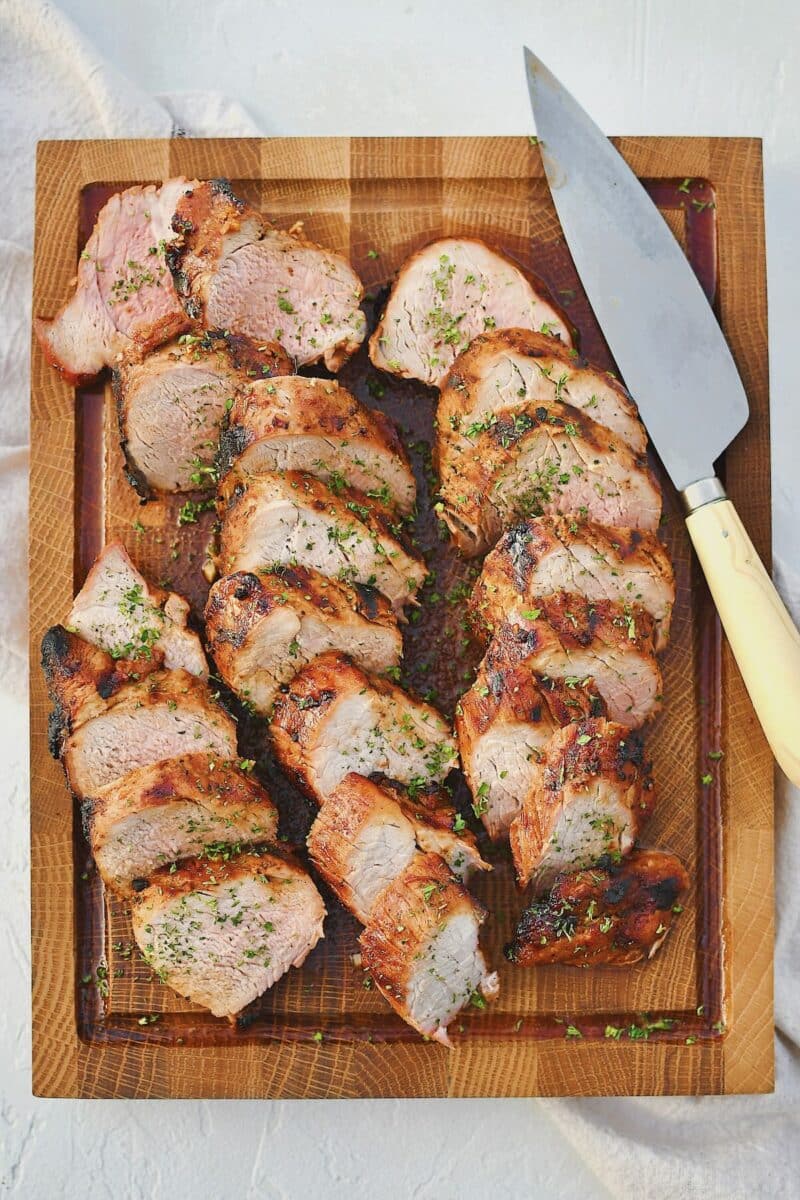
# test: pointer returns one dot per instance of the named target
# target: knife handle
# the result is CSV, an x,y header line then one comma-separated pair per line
x,y
762,635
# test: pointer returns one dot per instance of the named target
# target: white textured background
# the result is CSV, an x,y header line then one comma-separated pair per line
x,y
448,66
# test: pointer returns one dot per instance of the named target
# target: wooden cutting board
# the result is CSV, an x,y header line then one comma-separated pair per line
x,y
101,1025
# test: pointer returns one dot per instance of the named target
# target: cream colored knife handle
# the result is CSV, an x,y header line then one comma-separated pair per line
x,y
762,635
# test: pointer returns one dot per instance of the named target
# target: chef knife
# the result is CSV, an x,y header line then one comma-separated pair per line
x,y
677,365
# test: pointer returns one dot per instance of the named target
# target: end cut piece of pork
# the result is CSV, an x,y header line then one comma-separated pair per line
x,y
119,611
612,916
125,301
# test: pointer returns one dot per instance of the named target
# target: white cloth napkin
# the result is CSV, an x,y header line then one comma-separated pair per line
x,y
54,85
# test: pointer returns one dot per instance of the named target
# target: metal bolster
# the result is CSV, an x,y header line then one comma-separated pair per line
x,y
703,491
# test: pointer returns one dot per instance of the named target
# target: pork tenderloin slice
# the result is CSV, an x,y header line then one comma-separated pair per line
x,y
166,715
508,368
538,460
421,947
174,809
119,611
125,300
367,832
315,425
290,517
334,719
591,795
438,827
234,271
571,639
220,933
81,679
504,723
171,404
262,629
445,295
360,841
614,915
544,555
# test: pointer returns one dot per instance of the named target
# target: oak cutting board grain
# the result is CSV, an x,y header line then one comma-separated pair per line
x,y
376,200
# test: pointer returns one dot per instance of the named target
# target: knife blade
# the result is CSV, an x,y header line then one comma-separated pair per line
x,y
676,363
648,302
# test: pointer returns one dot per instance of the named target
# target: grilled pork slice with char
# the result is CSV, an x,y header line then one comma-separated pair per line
x,y
334,719
438,827
290,517
572,639
544,555
174,809
366,834
421,947
125,300
591,796
262,629
170,405
536,460
165,715
314,425
504,723
81,679
234,271
445,295
508,368
119,611
614,915
220,933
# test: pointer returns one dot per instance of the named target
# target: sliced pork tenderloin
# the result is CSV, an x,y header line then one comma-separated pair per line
x,y
119,611
290,517
165,715
504,723
367,832
571,639
171,404
221,932
262,629
421,947
509,368
544,555
334,719
536,460
445,295
613,916
234,271
81,679
591,795
314,425
438,827
125,301
360,841
198,804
